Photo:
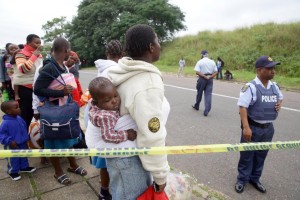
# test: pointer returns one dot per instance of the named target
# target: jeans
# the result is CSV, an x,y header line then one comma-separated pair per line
x,y
128,178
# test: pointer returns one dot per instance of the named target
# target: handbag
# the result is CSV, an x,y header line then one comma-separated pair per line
x,y
59,121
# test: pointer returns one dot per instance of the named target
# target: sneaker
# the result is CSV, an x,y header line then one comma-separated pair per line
x,y
15,176
28,170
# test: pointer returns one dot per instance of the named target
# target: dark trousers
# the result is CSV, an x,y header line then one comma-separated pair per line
x,y
26,104
205,86
251,163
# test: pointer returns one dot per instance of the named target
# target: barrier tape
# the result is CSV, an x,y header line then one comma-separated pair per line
x,y
119,152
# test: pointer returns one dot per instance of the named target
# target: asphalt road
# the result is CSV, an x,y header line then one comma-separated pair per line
x,y
281,175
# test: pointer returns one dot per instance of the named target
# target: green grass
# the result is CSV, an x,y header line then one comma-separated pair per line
x,y
240,48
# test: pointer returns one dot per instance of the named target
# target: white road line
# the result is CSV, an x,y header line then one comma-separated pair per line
x,y
221,95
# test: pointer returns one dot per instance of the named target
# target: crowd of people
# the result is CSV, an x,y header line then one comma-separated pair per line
x,y
35,82
124,83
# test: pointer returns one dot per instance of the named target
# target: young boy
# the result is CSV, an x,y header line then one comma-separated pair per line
x,y
103,116
14,135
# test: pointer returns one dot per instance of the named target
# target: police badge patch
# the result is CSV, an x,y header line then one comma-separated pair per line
x,y
245,88
154,124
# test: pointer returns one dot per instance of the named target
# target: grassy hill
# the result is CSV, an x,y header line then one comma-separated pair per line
x,y
240,48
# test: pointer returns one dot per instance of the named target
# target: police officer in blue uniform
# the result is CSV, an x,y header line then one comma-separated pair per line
x,y
206,69
259,104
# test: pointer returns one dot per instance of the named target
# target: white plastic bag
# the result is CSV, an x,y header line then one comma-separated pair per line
x,y
179,186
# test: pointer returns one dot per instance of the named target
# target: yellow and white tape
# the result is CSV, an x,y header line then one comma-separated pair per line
x,y
119,152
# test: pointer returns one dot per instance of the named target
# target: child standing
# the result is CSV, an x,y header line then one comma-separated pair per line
x,y
103,116
14,135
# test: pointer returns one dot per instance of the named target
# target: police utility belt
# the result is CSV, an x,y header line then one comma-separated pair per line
x,y
254,123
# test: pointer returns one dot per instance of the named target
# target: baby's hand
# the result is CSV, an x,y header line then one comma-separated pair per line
x,y
131,134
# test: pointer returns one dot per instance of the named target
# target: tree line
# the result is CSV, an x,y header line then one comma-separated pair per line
x,y
99,21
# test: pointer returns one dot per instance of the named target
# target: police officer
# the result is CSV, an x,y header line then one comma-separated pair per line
x,y
259,104
206,69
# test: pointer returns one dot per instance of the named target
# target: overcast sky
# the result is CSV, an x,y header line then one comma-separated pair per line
x,y
19,18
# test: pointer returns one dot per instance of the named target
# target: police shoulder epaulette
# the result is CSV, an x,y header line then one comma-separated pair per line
x,y
245,88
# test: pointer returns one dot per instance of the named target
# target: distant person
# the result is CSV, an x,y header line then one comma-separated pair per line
x,y
5,79
14,135
181,67
228,75
259,104
73,67
206,70
220,65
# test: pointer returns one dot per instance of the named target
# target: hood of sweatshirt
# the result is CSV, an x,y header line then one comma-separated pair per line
x,y
128,68
102,65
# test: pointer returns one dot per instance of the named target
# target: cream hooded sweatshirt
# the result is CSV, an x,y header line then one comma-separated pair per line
x,y
141,89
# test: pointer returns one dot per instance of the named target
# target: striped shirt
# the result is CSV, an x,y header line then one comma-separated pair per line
x,y
25,59
106,121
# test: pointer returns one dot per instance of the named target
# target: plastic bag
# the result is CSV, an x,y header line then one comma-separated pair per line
x,y
179,186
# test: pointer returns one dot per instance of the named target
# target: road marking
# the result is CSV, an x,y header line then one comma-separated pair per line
x,y
221,95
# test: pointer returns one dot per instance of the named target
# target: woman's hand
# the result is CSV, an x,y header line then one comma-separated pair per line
x,y
68,90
